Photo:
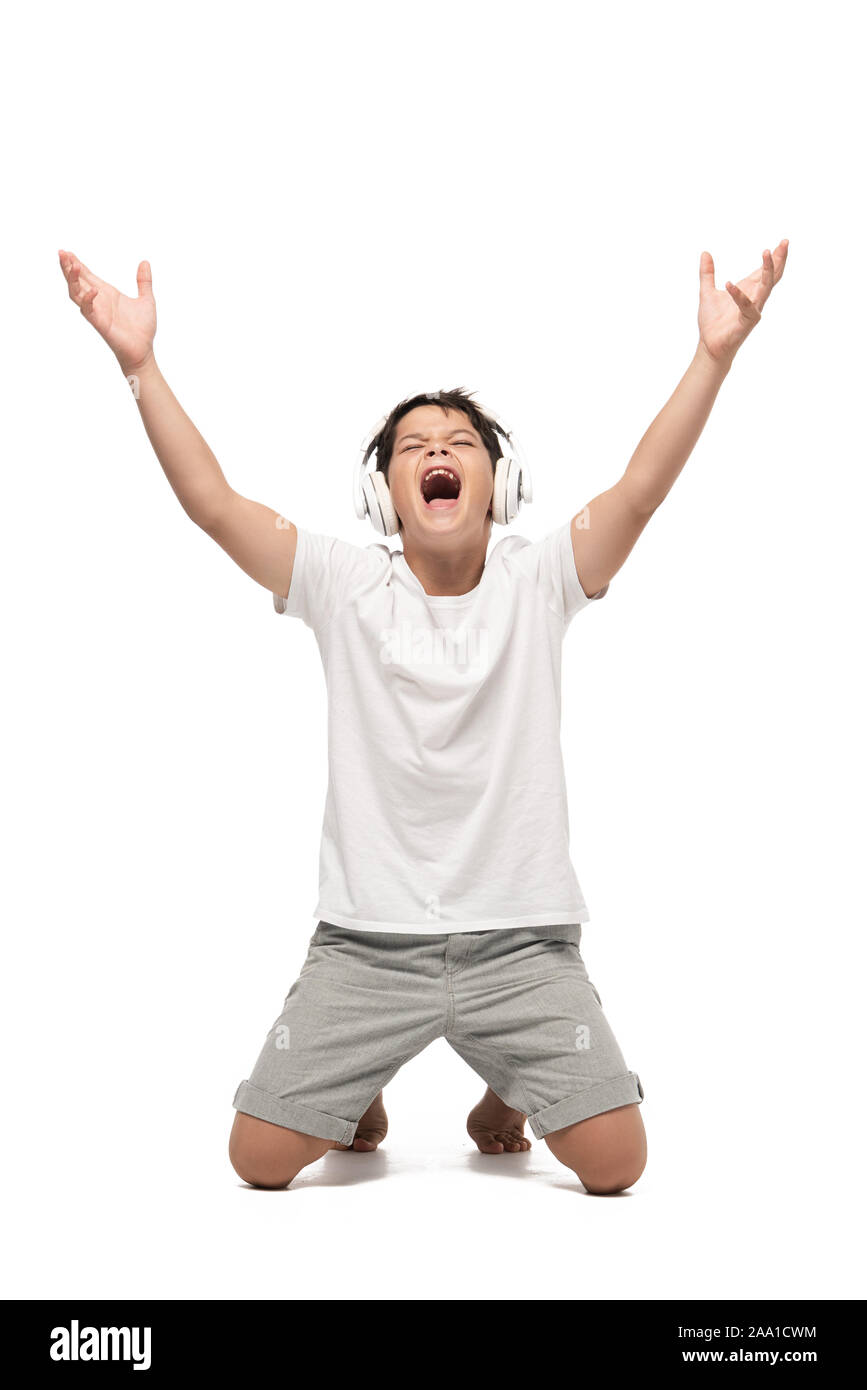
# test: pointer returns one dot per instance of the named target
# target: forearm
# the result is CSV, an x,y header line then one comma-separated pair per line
x,y
671,438
191,468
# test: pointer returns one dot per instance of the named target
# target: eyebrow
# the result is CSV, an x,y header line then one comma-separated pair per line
x,y
465,429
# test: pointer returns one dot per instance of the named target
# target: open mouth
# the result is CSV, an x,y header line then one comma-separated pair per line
x,y
440,487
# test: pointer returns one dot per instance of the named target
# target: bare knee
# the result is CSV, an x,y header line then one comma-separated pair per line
x,y
268,1155
614,1176
608,1152
260,1170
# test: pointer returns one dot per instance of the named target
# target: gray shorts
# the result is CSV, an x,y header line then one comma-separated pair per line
x,y
515,1003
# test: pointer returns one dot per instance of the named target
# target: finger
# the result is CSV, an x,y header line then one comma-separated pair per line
x,y
67,264
78,284
73,267
767,280
85,292
144,281
780,255
706,273
87,275
743,301
87,299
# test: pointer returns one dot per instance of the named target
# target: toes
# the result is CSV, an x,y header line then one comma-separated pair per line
x,y
486,1141
513,1143
496,1141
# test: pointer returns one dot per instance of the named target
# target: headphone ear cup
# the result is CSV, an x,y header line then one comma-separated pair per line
x,y
507,496
380,507
526,485
498,507
513,491
371,505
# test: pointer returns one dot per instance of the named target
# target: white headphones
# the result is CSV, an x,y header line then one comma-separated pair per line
x,y
371,497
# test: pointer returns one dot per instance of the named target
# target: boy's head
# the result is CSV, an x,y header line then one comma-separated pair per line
x,y
447,432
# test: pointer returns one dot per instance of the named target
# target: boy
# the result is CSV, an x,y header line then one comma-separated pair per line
x,y
448,903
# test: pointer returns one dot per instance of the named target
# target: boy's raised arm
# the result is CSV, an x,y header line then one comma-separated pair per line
x,y
257,538
605,531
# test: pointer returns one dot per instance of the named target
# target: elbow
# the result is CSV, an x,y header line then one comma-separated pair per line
x,y
643,501
207,510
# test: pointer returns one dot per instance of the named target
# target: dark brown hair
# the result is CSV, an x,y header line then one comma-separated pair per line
x,y
456,399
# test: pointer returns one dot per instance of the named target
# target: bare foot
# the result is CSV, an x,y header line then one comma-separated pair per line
x,y
496,1127
372,1129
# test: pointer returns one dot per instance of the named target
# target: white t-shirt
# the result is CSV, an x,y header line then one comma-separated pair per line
x,y
446,806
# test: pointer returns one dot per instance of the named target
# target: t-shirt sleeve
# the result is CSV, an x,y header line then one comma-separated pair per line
x,y
327,572
550,562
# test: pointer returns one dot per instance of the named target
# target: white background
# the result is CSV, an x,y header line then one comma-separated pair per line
x,y
343,207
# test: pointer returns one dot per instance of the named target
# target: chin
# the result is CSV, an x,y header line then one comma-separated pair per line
x,y
430,525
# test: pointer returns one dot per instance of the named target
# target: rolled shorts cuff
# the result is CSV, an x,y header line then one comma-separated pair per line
x,y
288,1113
605,1095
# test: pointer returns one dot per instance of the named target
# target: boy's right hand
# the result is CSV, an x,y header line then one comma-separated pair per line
x,y
127,325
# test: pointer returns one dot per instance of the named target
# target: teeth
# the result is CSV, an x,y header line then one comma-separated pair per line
x,y
447,472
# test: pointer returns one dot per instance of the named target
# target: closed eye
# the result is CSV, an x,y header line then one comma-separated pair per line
x,y
464,443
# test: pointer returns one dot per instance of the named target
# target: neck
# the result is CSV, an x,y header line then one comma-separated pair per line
x,y
448,572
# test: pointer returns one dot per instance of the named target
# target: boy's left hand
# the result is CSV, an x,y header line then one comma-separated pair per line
x,y
725,317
